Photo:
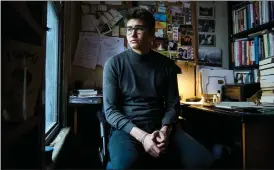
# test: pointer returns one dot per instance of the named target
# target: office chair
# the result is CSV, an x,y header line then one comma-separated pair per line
x,y
104,132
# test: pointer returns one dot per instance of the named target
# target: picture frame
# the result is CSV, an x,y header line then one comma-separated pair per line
x,y
210,56
206,11
206,25
206,39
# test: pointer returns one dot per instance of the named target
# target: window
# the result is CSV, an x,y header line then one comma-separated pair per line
x,y
52,73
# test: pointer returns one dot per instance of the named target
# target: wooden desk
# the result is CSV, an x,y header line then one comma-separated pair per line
x,y
77,103
249,134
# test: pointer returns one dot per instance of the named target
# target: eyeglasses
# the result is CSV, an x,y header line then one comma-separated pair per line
x,y
138,29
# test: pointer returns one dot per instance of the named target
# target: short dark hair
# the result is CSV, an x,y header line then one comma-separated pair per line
x,y
143,14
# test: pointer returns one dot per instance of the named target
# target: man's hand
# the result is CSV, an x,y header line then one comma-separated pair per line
x,y
150,144
162,138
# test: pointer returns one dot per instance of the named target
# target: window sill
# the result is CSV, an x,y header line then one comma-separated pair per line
x,y
58,142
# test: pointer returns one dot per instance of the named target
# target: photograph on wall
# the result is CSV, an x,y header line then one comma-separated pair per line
x,y
186,41
182,53
206,39
170,36
206,11
169,28
172,45
206,25
210,56
160,44
186,30
178,20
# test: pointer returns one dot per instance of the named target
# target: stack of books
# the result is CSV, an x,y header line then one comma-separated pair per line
x,y
266,68
87,92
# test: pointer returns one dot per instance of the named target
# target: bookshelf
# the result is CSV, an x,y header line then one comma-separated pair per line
x,y
251,37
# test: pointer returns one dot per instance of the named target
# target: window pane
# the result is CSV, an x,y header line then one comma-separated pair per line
x,y
51,67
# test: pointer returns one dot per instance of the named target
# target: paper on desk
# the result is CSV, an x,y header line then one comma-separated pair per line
x,y
87,52
110,46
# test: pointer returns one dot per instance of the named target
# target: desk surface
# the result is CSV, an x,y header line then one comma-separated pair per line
x,y
233,112
79,101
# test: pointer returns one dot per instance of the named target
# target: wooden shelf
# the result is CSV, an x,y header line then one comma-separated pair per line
x,y
12,131
245,33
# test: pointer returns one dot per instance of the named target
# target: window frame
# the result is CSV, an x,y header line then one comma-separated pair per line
x,y
54,130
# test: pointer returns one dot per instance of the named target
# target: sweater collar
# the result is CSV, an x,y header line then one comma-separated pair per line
x,y
135,56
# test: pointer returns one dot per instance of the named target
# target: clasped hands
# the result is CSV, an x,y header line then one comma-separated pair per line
x,y
156,143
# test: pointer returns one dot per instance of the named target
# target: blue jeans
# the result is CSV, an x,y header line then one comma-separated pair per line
x,y
127,153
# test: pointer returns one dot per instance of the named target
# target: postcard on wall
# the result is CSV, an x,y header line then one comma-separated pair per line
x,y
186,40
160,44
206,39
182,53
160,17
172,45
116,17
206,25
178,20
186,30
159,24
122,31
175,33
170,36
169,28
161,9
115,31
160,33
102,8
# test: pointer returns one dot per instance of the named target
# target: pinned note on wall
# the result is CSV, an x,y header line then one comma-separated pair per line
x,y
95,50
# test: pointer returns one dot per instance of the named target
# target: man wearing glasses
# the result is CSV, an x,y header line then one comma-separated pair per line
x,y
141,103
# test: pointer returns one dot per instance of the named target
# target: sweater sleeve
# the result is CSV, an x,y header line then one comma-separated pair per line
x,y
171,98
112,98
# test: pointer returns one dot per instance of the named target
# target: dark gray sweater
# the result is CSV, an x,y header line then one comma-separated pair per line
x,y
139,88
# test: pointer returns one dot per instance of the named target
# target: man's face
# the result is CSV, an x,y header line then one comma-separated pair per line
x,y
138,36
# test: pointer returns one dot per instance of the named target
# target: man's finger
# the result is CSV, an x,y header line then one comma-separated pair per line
x,y
161,137
161,145
154,135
